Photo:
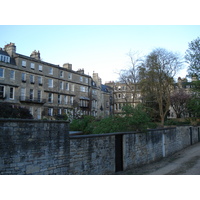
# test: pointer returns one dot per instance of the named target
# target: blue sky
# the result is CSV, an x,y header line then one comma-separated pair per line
x,y
98,48
97,35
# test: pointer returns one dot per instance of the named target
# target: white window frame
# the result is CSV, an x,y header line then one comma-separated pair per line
x,y
12,74
39,80
71,100
67,86
51,70
70,75
39,113
5,59
32,65
40,68
31,94
50,97
3,71
59,99
81,79
72,87
66,99
23,93
39,95
50,111
13,93
3,94
59,111
86,80
82,89
31,110
61,85
23,63
23,76
32,78
50,83
61,74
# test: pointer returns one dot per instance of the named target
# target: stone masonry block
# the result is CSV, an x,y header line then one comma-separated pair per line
x,y
31,169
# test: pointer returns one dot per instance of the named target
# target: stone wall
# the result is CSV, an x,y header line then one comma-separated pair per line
x,y
45,147
142,148
180,138
92,154
34,147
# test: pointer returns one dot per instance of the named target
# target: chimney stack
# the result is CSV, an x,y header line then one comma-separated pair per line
x,y
35,55
10,49
67,66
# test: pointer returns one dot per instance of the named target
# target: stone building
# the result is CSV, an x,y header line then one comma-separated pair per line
x,y
186,86
102,95
47,90
124,94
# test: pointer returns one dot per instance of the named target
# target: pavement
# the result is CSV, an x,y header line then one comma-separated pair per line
x,y
184,162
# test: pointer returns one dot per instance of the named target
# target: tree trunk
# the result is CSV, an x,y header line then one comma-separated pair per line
x,y
162,121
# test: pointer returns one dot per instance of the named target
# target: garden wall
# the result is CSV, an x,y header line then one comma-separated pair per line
x,y
92,154
45,147
34,147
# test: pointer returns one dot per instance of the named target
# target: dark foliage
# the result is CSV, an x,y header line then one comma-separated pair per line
x,y
8,110
133,119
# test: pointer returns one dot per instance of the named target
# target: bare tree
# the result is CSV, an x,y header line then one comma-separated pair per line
x,y
157,74
130,76
179,99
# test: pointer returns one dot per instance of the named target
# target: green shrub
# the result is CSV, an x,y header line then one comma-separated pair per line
x,y
109,125
177,122
136,118
81,124
133,119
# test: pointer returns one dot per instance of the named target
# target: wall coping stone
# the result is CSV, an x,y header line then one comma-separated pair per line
x,y
117,133
32,120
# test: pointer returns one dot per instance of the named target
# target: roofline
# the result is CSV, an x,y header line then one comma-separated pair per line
x,y
53,65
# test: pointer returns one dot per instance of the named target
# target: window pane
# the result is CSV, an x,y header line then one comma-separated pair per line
x,y
40,67
11,93
12,74
1,72
23,63
50,70
39,80
39,113
23,91
67,86
50,98
66,99
23,77
39,95
51,83
50,111
1,92
72,88
31,78
61,85
31,94
32,65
